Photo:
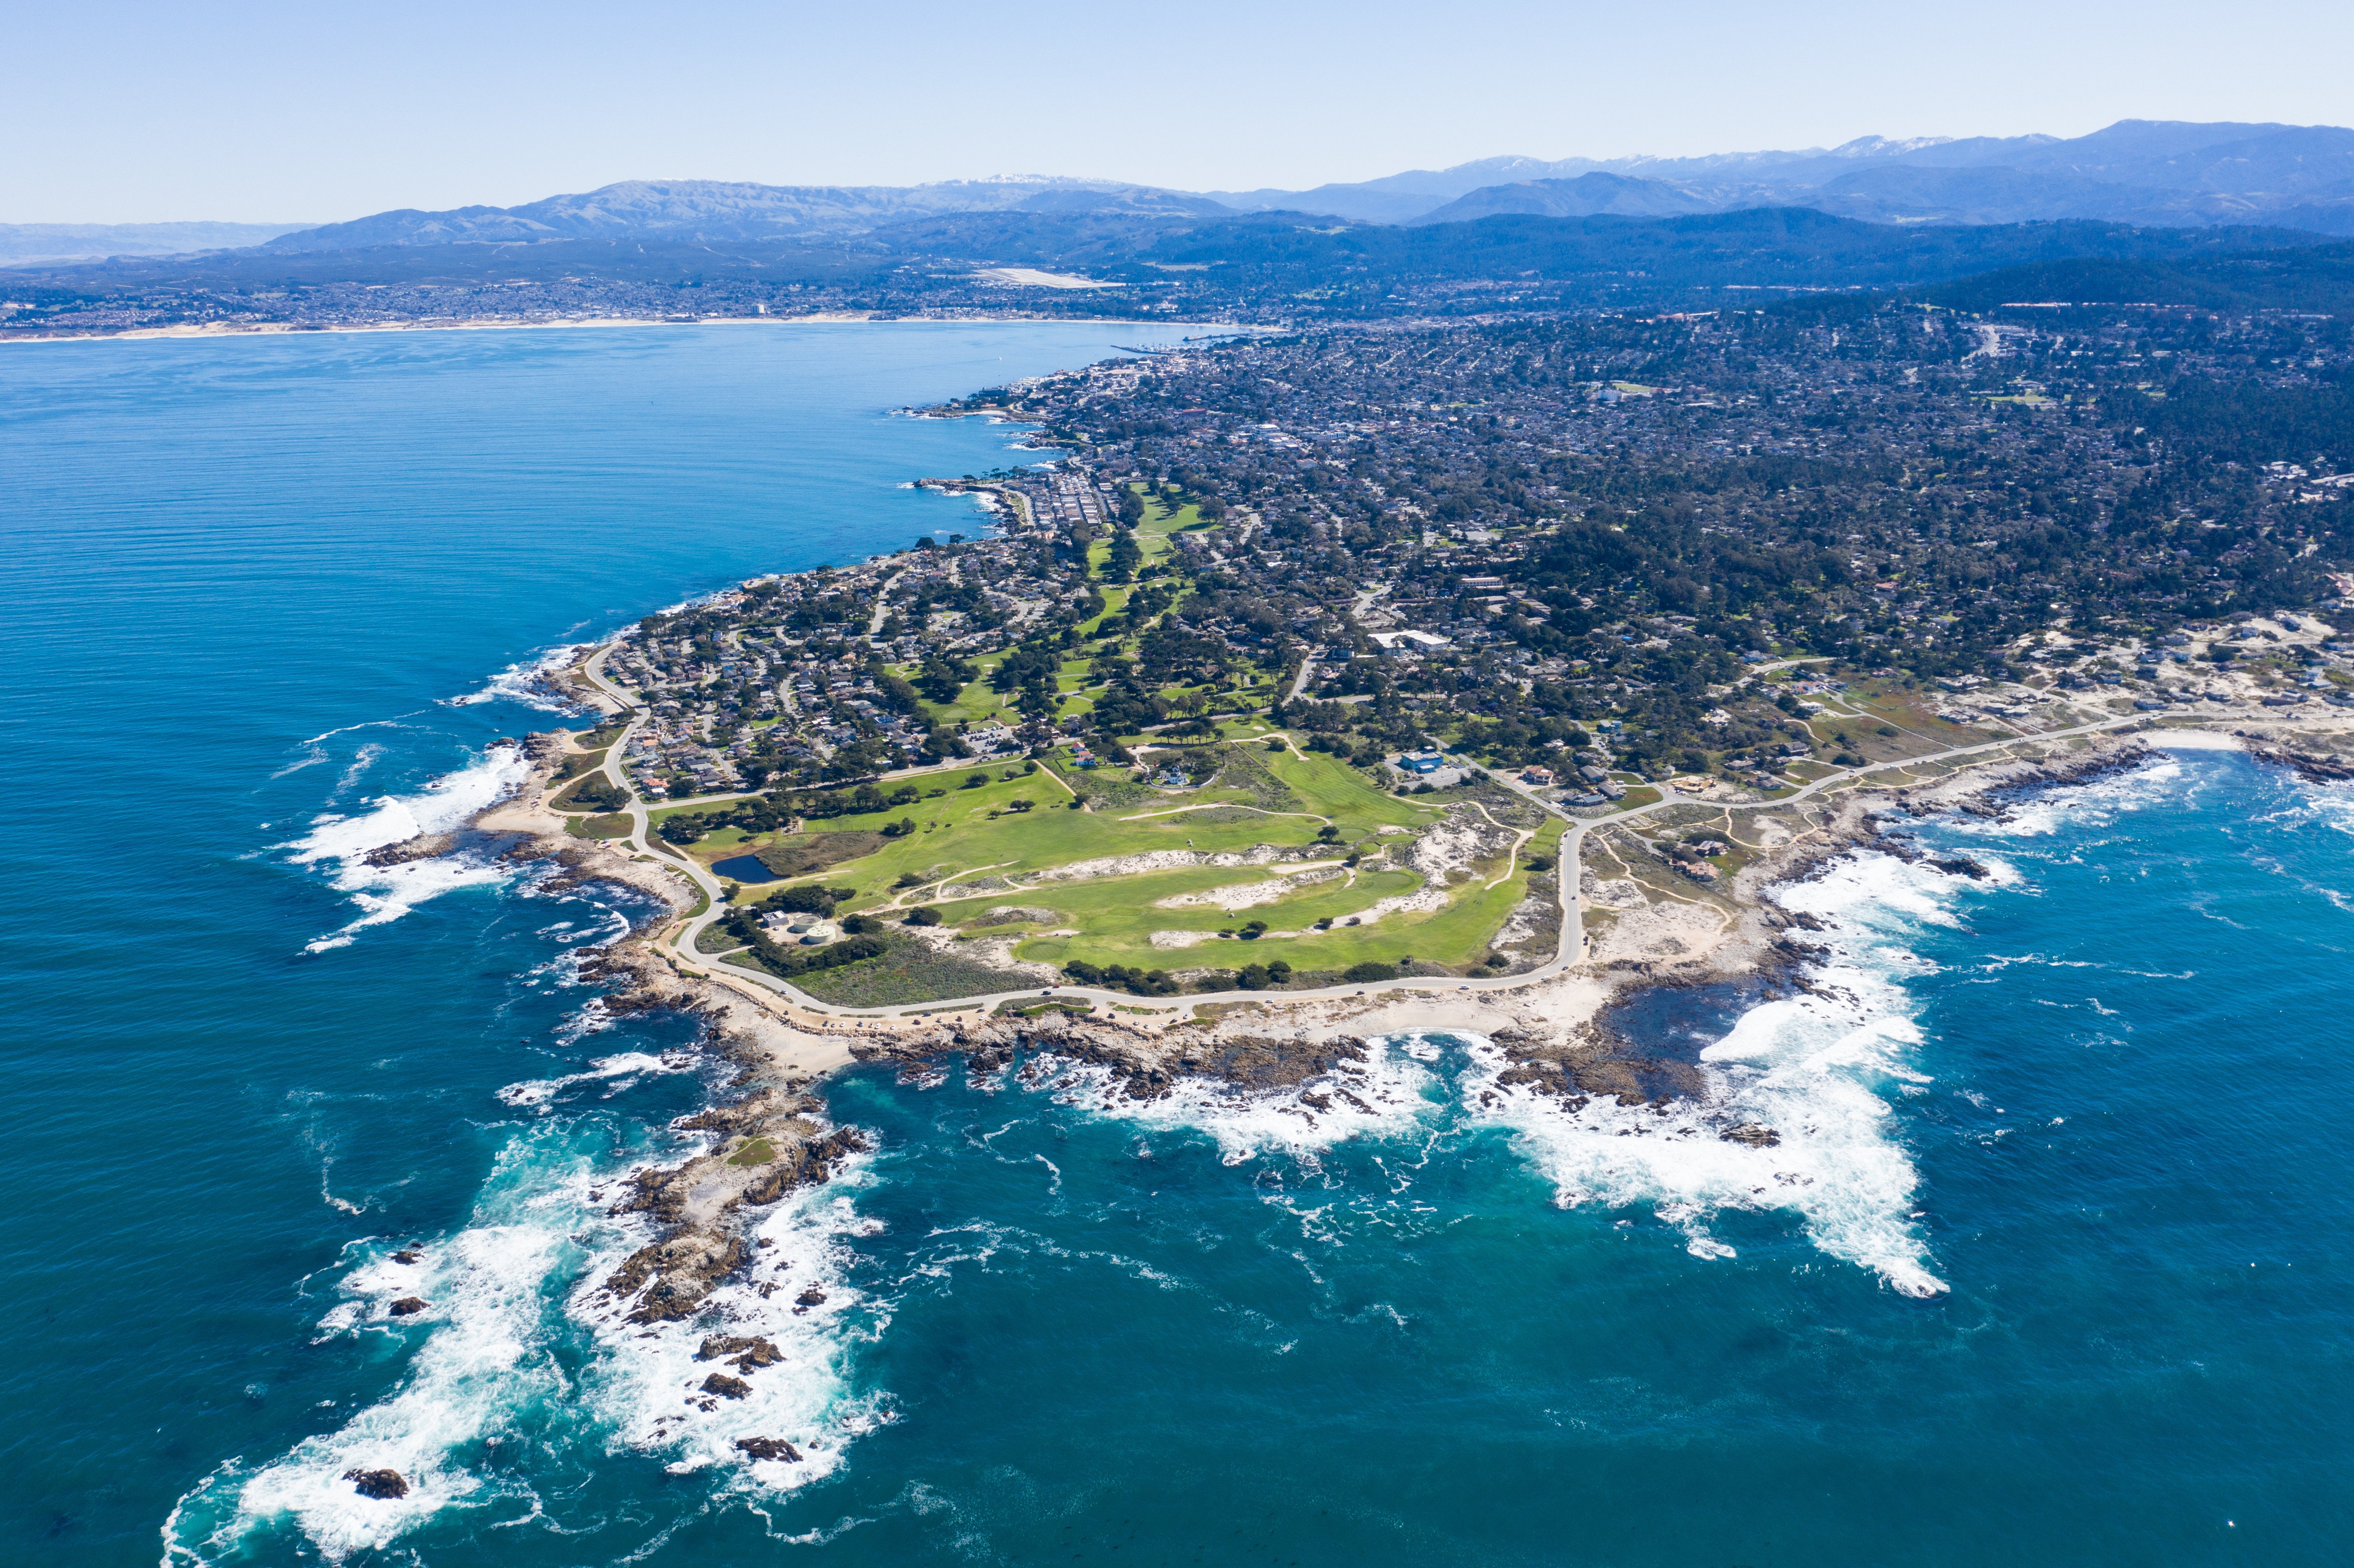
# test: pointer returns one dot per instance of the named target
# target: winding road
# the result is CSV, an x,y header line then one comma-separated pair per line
x,y
677,941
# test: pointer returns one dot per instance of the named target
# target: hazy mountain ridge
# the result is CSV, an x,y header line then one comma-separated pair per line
x,y
31,244
2159,173
2137,171
718,210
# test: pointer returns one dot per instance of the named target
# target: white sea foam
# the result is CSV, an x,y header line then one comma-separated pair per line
x,y
385,893
618,1073
1385,1095
645,1388
1814,1069
2094,803
485,1359
362,761
530,681
486,1371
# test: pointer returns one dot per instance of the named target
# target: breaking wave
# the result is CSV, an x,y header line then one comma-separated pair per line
x,y
385,893
1384,1096
530,681
1811,1069
516,1349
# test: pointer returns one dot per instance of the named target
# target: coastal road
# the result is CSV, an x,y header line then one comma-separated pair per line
x,y
680,944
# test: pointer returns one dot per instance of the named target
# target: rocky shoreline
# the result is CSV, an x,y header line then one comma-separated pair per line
x,y
2314,767
1558,1037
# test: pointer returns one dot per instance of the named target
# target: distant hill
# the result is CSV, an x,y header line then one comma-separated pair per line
x,y
715,210
1582,197
35,244
2318,279
1260,261
2137,171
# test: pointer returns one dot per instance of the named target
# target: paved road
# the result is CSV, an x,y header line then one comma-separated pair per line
x,y
679,943
883,603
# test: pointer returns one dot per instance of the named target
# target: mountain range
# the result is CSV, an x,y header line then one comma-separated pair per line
x,y
2137,171
2163,173
2155,173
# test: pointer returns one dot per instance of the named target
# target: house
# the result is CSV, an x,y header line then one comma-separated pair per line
x,y
1537,776
1400,643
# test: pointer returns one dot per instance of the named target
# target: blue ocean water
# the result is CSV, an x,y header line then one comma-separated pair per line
x,y
2048,1266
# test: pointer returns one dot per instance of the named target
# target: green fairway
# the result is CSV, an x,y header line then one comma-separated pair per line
x,y
991,856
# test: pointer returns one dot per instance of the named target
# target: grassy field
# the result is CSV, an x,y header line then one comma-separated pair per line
x,y
615,826
975,834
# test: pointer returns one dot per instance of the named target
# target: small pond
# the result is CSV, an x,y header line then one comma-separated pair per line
x,y
744,868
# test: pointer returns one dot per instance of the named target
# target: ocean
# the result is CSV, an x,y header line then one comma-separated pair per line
x,y
2047,1267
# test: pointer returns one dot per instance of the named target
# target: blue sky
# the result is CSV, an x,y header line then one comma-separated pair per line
x,y
139,112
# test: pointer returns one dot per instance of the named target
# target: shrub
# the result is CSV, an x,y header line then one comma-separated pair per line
x,y
1120,977
923,914
1361,973
807,898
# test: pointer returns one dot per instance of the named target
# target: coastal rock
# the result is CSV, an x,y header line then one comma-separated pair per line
x,y
750,1355
769,1448
382,1485
408,1306
671,1279
676,1274
407,1255
811,1297
424,846
2310,766
1756,1135
726,1387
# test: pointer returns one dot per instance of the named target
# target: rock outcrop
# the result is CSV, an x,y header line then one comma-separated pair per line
x,y
382,1485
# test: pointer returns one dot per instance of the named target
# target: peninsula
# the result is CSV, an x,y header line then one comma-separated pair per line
x,y
1461,678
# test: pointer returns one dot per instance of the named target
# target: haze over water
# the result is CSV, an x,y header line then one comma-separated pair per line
x,y
2099,1100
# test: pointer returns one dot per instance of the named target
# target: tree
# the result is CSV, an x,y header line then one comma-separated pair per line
x,y
923,914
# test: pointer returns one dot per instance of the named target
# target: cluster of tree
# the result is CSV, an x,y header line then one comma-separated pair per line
x,y
1363,752
1259,976
1126,555
1170,653
1120,977
944,678
598,793
786,962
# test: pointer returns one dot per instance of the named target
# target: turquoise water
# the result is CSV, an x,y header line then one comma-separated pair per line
x,y
2049,1266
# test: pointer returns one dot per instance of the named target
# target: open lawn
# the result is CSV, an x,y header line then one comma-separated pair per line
x,y
975,836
